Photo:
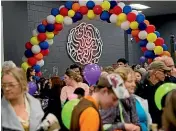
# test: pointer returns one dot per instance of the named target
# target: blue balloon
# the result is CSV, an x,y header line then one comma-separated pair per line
x,y
74,19
142,26
113,4
149,54
41,28
127,9
165,48
157,33
54,11
90,4
28,53
50,27
69,4
140,18
104,15
44,45
78,16
37,78
129,31
37,68
143,43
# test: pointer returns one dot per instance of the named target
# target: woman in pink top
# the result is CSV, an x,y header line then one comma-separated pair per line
x,y
73,81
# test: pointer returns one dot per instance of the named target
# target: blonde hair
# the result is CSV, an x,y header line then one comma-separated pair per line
x,y
19,75
124,72
75,76
8,65
108,69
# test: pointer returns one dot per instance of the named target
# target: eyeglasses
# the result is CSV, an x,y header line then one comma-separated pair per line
x,y
10,86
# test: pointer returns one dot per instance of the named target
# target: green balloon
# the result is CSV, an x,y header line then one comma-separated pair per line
x,y
162,91
67,112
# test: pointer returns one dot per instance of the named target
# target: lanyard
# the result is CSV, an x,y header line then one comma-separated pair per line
x,y
121,115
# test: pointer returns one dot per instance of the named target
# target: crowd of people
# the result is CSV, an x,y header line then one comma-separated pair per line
x,y
122,99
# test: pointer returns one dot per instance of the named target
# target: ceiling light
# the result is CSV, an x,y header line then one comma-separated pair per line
x,y
139,6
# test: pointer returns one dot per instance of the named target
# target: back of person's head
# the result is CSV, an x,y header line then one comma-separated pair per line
x,y
108,69
19,75
169,112
56,81
8,65
123,72
80,92
73,75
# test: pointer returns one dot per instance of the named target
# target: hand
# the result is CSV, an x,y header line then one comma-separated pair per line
x,y
130,127
137,128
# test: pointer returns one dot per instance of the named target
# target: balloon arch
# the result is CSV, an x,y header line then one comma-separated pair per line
x,y
122,15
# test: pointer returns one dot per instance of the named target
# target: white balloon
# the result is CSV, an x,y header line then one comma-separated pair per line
x,y
40,63
113,18
35,32
125,25
150,46
98,2
50,41
121,4
50,19
135,11
24,59
61,6
142,35
36,49
68,20
83,2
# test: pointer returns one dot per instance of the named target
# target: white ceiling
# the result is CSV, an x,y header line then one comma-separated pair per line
x,y
157,7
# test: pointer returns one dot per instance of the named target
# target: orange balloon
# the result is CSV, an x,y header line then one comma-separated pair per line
x,y
75,7
135,33
55,32
44,22
38,56
166,53
147,22
150,61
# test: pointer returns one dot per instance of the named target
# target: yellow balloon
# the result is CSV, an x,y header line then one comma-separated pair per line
x,y
34,41
151,37
49,35
118,23
158,50
59,19
71,13
122,17
25,66
106,5
134,25
90,14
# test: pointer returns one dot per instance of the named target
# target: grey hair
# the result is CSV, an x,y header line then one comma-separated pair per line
x,y
8,65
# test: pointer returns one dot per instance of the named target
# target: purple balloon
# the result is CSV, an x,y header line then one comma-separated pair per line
x,y
32,87
91,73
142,59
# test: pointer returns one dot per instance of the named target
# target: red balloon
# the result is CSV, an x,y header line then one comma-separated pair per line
x,y
159,41
131,17
39,74
111,11
55,32
144,49
58,26
41,36
45,52
150,61
64,11
137,39
150,29
117,10
28,45
83,10
32,61
44,22
97,9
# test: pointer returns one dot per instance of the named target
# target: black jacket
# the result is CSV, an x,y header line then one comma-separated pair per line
x,y
147,91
